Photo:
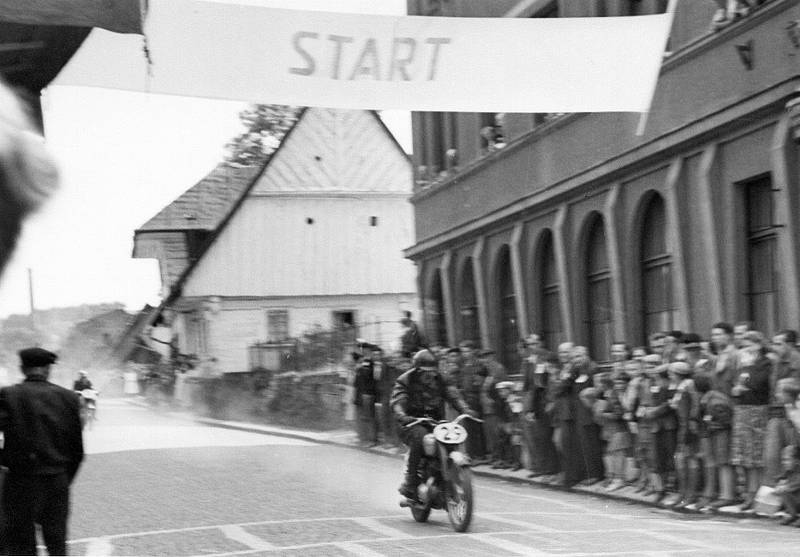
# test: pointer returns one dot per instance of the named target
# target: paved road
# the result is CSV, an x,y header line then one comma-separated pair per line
x,y
157,485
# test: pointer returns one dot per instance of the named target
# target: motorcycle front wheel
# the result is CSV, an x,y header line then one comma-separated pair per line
x,y
459,497
421,512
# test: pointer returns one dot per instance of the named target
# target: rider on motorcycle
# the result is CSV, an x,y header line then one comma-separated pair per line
x,y
421,392
83,382
88,395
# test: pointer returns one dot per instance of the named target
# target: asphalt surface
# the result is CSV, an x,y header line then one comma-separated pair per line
x,y
162,484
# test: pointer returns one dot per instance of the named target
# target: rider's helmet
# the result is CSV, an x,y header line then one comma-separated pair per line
x,y
424,359
83,373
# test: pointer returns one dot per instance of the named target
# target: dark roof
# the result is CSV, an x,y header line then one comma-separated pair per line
x,y
204,205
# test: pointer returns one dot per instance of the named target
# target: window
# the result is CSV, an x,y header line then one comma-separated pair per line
x,y
198,334
509,333
344,323
599,309
196,241
450,140
762,244
277,325
429,7
491,130
656,271
468,305
549,293
436,149
645,7
344,319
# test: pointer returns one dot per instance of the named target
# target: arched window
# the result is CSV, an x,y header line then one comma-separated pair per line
x,y
656,270
549,293
468,305
599,307
435,311
509,333
762,256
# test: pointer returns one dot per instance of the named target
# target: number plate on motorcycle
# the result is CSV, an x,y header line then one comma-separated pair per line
x,y
452,434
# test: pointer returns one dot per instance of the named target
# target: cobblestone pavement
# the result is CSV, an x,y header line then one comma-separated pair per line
x,y
159,484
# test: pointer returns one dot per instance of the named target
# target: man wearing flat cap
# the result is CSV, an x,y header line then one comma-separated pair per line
x,y
490,402
43,448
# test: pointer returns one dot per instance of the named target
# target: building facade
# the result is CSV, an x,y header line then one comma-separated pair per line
x,y
605,226
311,240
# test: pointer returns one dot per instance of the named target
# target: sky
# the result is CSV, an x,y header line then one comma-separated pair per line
x,y
122,157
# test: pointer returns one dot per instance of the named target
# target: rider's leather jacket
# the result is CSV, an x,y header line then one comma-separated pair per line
x,y
423,392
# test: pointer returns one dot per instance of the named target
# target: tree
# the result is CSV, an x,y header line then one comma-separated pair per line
x,y
265,126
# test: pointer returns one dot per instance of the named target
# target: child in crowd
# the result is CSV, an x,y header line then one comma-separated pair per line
x,y
657,424
635,370
715,420
609,412
788,487
686,403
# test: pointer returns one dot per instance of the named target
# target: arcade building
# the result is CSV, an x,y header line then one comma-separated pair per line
x,y
576,227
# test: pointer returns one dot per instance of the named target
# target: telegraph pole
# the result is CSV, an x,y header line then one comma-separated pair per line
x,y
30,298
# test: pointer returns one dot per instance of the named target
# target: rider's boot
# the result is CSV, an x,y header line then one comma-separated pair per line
x,y
408,488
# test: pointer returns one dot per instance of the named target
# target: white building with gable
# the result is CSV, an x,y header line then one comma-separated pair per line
x,y
312,239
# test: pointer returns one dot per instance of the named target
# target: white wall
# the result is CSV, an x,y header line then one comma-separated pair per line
x,y
241,323
270,249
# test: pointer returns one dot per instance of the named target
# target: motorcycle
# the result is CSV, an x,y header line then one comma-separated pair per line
x,y
88,406
446,477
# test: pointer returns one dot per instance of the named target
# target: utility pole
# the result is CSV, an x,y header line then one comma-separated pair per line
x,y
30,297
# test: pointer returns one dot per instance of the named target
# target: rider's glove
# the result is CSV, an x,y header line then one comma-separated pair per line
x,y
405,420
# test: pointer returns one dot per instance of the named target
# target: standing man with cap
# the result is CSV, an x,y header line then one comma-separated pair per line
x,y
43,450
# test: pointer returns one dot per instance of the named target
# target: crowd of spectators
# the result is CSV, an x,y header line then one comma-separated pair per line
x,y
729,11
694,424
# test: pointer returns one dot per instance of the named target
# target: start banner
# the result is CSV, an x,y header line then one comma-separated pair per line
x,y
340,60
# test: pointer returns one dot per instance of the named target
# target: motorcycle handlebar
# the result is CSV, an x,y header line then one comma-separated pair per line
x,y
431,421
473,418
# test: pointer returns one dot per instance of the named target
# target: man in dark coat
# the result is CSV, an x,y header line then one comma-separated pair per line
x,y
384,375
473,375
43,449
364,398
490,402
422,391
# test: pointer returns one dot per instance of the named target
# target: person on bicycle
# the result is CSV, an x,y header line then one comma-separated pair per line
x,y
421,392
82,382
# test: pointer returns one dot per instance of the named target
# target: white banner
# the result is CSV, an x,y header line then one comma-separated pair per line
x,y
304,58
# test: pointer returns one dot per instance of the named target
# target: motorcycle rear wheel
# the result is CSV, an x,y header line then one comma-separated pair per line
x,y
459,498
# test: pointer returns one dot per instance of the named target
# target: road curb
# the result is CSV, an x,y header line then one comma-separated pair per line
x,y
478,470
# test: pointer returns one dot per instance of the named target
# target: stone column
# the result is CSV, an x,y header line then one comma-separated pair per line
x,y
519,283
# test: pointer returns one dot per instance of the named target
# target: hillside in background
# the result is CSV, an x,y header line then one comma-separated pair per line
x,y
83,336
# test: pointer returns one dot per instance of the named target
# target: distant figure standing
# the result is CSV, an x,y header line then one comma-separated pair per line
x,y
364,396
43,450
411,341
